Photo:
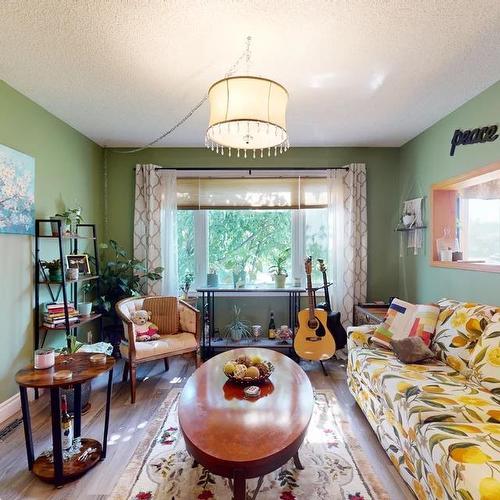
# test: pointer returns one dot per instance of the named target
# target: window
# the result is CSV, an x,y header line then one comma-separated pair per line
x,y
232,224
480,229
466,221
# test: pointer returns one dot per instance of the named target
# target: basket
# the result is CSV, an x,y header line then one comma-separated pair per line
x,y
252,381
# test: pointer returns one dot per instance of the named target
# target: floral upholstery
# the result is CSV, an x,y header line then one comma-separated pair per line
x,y
485,358
458,329
461,458
439,426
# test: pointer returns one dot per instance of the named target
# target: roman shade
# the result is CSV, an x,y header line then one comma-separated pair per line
x,y
251,193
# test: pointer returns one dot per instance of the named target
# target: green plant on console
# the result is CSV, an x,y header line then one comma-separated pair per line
x,y
187,281
278,269
237,329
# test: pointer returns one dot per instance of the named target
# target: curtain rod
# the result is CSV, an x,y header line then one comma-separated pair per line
x,y
249,169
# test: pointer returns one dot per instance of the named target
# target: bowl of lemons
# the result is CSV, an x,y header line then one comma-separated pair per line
x,y
248,370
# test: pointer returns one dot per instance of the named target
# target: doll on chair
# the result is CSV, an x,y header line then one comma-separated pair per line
x,y
145,330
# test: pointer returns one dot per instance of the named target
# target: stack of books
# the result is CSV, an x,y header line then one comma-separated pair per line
x,y
54,317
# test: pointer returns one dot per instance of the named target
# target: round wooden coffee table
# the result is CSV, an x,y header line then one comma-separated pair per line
x,y
242,438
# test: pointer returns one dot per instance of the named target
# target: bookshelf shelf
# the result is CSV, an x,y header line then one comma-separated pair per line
x,y
67,244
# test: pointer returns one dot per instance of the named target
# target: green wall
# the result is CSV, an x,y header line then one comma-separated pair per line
x,y
68,171
382,172
425,160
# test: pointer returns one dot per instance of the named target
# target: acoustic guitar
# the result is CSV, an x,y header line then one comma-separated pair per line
x,y
313,340
333,320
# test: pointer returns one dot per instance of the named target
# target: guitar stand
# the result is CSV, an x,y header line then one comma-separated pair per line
x,y
325,373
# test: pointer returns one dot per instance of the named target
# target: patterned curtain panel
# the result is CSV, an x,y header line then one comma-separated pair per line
x,y
348,238
147,222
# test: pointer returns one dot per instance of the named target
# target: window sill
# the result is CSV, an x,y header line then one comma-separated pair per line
x,y
468,266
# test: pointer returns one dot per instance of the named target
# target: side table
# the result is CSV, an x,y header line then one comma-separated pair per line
x,y
60,471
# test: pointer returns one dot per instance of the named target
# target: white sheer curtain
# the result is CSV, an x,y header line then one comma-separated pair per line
x,y
147,222
347,238
170,282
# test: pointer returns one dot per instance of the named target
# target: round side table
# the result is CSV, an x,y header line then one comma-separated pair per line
x,y
61,471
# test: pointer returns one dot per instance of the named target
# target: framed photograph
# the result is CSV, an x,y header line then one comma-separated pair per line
x,y
79,261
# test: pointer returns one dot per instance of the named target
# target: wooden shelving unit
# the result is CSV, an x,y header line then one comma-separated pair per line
x,y
68,288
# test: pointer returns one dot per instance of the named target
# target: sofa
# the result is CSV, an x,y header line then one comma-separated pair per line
x,y
439,420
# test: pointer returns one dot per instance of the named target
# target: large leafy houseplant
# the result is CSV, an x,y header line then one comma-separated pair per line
x,y
121,277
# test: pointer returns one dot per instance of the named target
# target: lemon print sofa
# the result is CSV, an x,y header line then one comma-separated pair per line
x,y
438,421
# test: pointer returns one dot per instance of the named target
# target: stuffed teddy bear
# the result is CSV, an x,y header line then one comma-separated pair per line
x,y
144,329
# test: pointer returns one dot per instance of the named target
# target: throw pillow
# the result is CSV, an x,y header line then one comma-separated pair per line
x,y
457,331
411,350
485,358
407,320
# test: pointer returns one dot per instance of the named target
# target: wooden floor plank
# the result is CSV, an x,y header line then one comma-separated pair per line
x,y
129,422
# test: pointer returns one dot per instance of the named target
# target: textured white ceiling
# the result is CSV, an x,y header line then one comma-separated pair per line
x,y
359,72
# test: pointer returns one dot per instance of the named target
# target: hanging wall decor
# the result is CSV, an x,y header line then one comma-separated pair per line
x,y
17,192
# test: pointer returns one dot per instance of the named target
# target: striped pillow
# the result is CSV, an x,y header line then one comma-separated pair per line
x,y
407,320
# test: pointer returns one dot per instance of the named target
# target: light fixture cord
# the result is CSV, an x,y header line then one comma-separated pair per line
x,y
246,54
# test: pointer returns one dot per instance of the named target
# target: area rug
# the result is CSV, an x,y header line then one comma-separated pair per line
x,y
335,466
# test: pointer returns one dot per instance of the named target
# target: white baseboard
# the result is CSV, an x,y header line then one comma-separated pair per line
x,y
11,406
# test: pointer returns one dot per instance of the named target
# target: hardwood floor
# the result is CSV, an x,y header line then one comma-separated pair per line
x,y
128,423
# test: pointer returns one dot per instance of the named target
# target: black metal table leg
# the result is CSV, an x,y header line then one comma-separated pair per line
x,y
55,409
106,418
77,409
25,407
211,326
204,312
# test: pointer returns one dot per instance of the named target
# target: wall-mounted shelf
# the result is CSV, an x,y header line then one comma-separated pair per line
x,y
407,229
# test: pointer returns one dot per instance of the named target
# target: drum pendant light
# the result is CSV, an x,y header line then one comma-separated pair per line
x,y
247,114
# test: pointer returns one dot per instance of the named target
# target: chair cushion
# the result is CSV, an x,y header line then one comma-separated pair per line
x,y
457,331
485,358
164,313
180,342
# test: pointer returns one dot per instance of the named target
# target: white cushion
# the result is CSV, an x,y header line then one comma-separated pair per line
x,y
183,341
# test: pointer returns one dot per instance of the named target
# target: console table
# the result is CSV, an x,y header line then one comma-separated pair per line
x,y
60,471
370,314
210,345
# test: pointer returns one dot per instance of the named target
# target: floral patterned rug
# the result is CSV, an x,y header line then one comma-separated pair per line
x,y
335,466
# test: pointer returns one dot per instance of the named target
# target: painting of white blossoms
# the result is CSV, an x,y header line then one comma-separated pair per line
x,y
17,192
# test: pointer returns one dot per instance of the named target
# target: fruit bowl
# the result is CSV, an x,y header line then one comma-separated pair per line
x,y
248,370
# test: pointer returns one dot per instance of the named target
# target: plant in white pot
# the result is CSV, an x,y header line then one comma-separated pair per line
x,y
278,268
187,281
85,307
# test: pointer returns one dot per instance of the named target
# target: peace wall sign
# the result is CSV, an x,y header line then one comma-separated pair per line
x,y
484,134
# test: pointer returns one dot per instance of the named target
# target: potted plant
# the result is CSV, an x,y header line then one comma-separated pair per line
x,y
237,329
121,277
278,270
71,217
54,268
187,281
85,307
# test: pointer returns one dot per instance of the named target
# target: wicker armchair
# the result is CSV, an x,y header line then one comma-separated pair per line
x,y
179,329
